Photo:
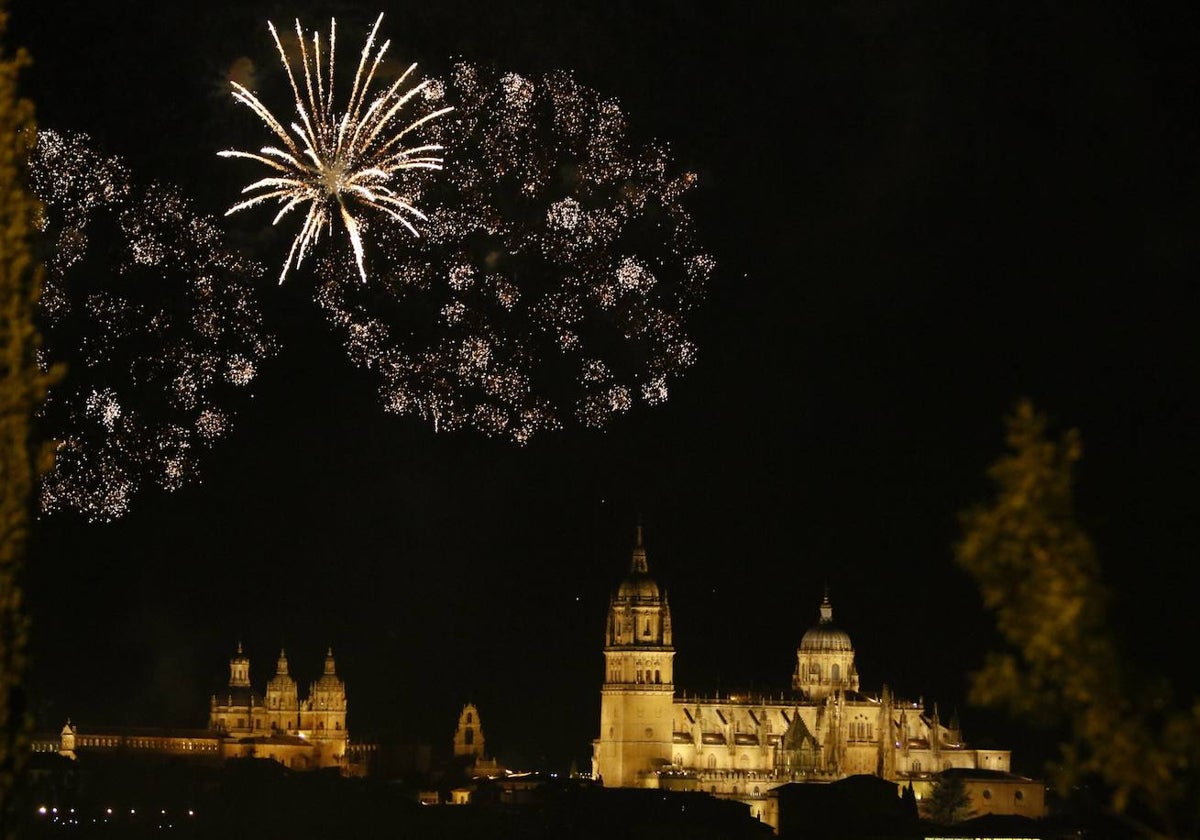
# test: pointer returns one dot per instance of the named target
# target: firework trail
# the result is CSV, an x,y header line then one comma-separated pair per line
x,y
156,319
555,275
336,162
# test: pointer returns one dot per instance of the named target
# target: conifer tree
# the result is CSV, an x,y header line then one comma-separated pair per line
x,y
1038,574
948,801
22,387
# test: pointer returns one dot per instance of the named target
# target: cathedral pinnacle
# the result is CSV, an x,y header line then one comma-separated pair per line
x,y
638,565
329,667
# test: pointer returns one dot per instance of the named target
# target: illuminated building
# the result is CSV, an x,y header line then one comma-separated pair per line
x,y
742,746
299,733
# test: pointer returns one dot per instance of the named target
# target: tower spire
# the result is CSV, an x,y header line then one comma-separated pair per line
x,y
638,564
826,608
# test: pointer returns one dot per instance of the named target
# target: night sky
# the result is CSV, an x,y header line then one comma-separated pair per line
x,y
921,212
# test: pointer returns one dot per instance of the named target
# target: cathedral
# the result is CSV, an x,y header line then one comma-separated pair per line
x,y
741,746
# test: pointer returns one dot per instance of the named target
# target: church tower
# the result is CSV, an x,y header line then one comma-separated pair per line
x,y
468,737
825,659
283,704
233,710
324,714
639,687
239,669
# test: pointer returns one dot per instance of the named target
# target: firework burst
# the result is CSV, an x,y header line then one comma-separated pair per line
x,y
157,320
555,275
336,163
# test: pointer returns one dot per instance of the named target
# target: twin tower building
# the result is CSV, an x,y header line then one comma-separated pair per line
x,y
740,746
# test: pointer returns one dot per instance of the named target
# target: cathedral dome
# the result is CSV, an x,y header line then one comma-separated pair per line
x,y
825,637
638,586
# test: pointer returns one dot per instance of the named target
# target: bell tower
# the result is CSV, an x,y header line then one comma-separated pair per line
x,y
639,686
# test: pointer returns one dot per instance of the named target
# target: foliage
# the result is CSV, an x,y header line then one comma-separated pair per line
x,y
22,387
948,801
1038,573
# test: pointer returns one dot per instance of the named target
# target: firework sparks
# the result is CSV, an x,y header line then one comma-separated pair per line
x,y
336,163
555,275
156,319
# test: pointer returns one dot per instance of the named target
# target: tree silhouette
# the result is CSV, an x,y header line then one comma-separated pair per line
x,y
22,388
1037,572
948,801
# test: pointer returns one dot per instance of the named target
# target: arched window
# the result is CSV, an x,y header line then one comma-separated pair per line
x,y
320,724
916,766
469,736
712,761
469,718
657,676
835,672
815,670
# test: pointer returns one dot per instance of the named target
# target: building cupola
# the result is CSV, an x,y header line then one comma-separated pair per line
x,y
825,658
